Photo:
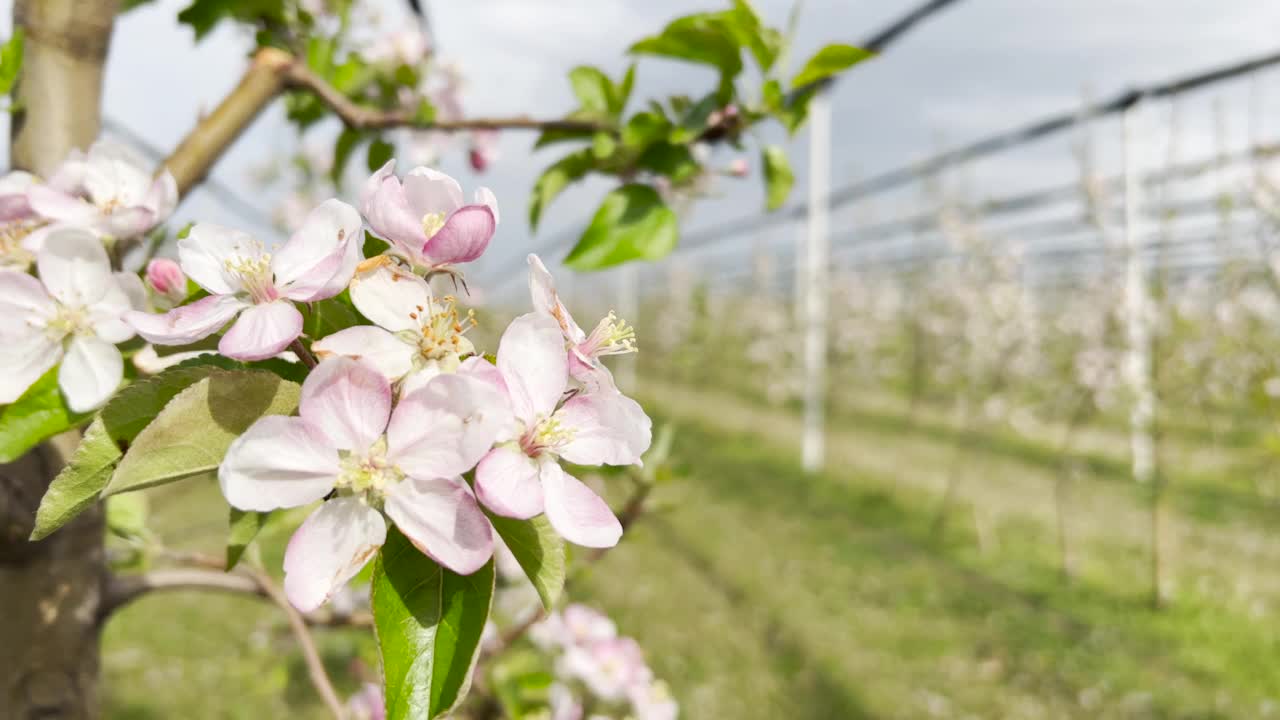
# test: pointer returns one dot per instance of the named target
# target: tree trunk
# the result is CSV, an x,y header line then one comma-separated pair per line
x,y
50,591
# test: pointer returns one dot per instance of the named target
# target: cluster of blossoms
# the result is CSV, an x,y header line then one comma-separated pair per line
x,y
74,228
599,671
393,413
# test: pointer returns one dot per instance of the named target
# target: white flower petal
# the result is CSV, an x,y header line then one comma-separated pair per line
x,y
116,172
25,306
441,518
204,253
389,296
279,462
607,429
348,401
91,371
74,267
542,288
23,359
534,365
330,548
485,196
262,331
575,511
446,426
507,483
188,323
392,356
306,265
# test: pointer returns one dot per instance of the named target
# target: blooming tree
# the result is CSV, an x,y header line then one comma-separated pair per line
x,y
328,371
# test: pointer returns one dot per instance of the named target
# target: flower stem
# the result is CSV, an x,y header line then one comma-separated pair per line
x,y
303,354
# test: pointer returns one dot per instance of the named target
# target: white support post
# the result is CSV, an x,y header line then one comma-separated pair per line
x,y
1138,308
816,283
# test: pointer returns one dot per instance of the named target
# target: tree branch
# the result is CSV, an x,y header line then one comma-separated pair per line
x,y
124,589
359,117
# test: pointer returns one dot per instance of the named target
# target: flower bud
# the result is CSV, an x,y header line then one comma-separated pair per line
x,y
166,278
739,168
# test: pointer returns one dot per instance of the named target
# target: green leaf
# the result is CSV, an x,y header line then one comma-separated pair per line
x,y
622,91
555,179
190,436
348,141
830,60
380,151
374,245
592,88
10,61
128,5
204,15
778,178
428,621
244,526
701,38
644,129
127,515
632,224
39,414
765,43
674,161
125,415
540,551
693,122
327,317
603,145
796,108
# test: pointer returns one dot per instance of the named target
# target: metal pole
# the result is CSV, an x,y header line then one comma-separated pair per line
x,y
817,246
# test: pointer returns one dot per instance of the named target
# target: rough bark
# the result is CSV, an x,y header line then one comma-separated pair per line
x,y
50,590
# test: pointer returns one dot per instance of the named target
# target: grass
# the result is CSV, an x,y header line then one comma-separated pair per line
x,y
760,592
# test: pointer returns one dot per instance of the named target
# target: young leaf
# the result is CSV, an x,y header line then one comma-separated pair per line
x,y
643,129
674,161
622,91
348,141
10,61
244,527
778,178
125,415
127,515
592,88
380,151
830,60
428,621
37,415
701,38
191,435
540,551
328,316
555,179
632,224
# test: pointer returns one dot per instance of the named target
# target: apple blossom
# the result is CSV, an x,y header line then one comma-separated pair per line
x,y
415,337
522,477
652,701
425,219
610,336
243,279
17,221
402,461
109,190
367,703
484,149
609,668
72,314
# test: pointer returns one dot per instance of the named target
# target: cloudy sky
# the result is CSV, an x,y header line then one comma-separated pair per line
x,y
978,68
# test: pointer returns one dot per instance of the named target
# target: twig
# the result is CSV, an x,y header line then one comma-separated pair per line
x,y
630,513
303,354
359,117
124,589
315,665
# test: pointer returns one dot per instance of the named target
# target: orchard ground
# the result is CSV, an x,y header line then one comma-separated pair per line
x,y
760,592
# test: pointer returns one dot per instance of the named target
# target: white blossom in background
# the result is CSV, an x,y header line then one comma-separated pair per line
x,y
109,190
70,314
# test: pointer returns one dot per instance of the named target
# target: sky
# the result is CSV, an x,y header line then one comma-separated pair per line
x,y
978,68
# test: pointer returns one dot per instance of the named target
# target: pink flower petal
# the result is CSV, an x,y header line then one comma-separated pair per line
x,y
384,205
392,356
279,462
446,426
441,518
188,323
507,483
485,196
162,198
60,206
348,401
608,429
204,253
533,363
464,237
262,331
431,191
317,258
577,513
330,548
